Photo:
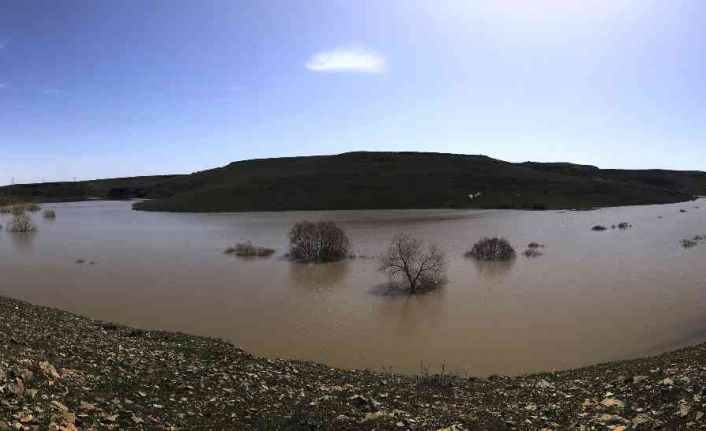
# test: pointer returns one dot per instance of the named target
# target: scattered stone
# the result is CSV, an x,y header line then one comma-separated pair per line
x,y
49,370
612,402
640,420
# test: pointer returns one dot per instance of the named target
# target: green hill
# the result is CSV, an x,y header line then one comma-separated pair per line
x,y
373,180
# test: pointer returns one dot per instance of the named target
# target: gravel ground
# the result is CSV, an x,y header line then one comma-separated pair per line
x,y
61,371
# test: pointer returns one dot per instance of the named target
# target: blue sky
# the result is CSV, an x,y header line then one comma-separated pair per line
x,y
92,89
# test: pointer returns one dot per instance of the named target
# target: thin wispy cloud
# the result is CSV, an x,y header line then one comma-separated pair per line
x,y
353,59
4,43
3,85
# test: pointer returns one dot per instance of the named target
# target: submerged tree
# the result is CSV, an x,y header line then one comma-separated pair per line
x,y
410,262
318,242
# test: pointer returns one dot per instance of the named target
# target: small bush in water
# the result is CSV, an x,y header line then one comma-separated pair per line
x,y
688,243
532,252
246,249
492,249
599,228
318,242
49,214
21,223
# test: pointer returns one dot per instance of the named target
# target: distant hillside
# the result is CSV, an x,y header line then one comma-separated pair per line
x,y
148,187
371,180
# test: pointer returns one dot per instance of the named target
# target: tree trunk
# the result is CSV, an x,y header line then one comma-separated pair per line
x,y
412,284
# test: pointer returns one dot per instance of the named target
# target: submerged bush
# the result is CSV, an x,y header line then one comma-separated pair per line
x,y
498,249
18,210
318,242
49,214
246,249
532,252
599,228
21,223
413,265
535,245
623,225
689,243
32,208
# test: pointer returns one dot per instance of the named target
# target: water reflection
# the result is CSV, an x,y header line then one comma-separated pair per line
x,y
411,315
23,241
494,269
318,276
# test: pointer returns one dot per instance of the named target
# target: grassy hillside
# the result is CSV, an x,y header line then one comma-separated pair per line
x,y
149,187
388,180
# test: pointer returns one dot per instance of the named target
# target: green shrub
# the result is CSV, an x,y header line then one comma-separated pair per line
x,y
49,214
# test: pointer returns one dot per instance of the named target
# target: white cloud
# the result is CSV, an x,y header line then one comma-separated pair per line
x,y
347,60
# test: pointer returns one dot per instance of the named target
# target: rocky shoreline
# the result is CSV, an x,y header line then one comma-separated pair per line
x,y
61,371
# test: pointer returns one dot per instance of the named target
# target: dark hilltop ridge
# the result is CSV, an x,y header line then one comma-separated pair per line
x,y
382,180
60,371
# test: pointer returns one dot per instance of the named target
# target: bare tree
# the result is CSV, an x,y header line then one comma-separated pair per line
x,y
411,262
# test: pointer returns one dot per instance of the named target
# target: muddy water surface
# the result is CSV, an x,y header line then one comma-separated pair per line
x,y
592,296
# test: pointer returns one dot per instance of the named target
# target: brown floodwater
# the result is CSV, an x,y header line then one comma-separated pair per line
x,y
592,296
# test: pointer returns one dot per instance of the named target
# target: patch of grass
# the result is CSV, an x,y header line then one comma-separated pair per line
x,y
247,249
440,381
492,249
